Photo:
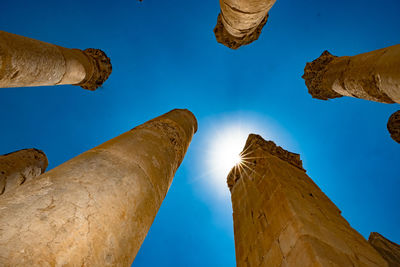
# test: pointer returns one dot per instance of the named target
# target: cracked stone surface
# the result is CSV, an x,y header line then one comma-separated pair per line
x,y
19,167
389,250
29,62
393,126
282,218
240,22
96,209
372,76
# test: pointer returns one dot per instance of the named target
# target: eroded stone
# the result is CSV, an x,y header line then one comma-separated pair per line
x,y
19,167
96,209
372,76
282,218
29,62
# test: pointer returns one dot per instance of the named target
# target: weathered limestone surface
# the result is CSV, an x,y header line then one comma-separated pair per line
x,y
393,126
372,76
19,167
389,250
96,209
282,218
240,22
29,62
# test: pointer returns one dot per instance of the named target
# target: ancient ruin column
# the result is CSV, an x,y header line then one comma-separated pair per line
x,y
372,76
282,218
19,167
96,209
393,126
389,250
29,62
240,21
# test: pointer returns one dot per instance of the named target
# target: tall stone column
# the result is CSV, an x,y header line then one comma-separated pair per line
x,y
29,62
19,167
282,218
372,76
240,21
96,209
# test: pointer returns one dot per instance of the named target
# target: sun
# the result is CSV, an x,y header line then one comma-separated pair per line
x,y
225,151
221,149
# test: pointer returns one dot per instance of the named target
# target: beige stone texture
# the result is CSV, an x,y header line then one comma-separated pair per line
x,y
393,126
372,76
389,250
240,22
29,62
96,209
19,167
282,218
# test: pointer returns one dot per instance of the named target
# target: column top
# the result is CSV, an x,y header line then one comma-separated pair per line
x,y
102,69
393,126
313,75
225,38
255,142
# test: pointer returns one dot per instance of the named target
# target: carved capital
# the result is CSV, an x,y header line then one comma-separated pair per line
x,y
393,126
256,142
102,69
225,38
313,76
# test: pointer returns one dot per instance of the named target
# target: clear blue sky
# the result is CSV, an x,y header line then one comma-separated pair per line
x,y
165,56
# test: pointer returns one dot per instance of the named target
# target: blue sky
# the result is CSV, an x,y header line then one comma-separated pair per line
x,y
165,56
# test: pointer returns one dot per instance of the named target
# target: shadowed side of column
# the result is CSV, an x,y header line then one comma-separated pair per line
x,y
29,62
282,218
19,167
96,209
389,250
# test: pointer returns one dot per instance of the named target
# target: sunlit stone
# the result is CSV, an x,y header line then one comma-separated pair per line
x,y
282,218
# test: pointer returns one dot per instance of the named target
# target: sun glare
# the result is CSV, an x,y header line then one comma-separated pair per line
x,y
223,153
226,149
222,146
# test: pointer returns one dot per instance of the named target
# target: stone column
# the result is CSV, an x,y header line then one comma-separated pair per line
x,y
389,250
240,21
372,76
96,209
393,126
29,62
282,218
19,167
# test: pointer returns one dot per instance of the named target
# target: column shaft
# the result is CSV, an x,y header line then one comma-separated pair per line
x,y
240,21
282,218
20,167
96,209
29,62
372,76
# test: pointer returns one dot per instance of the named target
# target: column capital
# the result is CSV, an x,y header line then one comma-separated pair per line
x,y
102,69
20,166
227,39
256,142
393,126
313,76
